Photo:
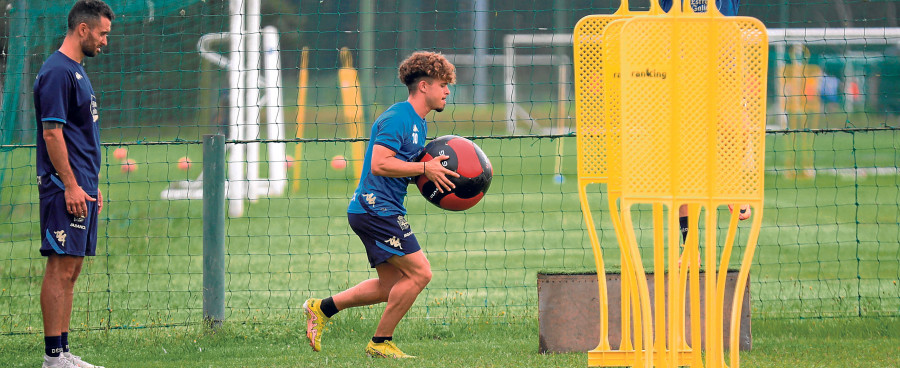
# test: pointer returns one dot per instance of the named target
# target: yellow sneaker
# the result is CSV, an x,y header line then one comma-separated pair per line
x,y
385,349
315,322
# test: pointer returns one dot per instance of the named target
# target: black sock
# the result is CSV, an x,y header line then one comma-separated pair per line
x,y
65,341
328,307
52,346
683,221
381,339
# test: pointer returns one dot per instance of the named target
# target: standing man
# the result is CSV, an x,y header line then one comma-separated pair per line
x,y
376,211
68,168
727,8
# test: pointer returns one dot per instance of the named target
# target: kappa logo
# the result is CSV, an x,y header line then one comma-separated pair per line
x,y
95,113
394,242
60,237
78,76
401,220
370,198
39,180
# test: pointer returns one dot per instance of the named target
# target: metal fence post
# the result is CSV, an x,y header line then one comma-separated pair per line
x,y
214,229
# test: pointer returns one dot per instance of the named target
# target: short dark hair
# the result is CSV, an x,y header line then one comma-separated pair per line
x,y
89,11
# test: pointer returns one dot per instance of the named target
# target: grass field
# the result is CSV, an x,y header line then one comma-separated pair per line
x,y
500,343
829,245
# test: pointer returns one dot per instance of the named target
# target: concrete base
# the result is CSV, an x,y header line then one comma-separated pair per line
x,y
569,311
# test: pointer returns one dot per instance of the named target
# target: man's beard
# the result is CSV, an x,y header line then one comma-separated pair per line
x,y
88,50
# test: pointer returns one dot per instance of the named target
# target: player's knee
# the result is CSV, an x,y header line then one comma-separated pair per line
x,y
68,275
384,291
73,277
423,278
68,271
62,276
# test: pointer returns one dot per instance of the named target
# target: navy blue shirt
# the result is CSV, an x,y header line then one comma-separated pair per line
x,y
63,94
726,7
401,130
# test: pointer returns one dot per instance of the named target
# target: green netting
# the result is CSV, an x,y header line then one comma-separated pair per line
x,y
829,245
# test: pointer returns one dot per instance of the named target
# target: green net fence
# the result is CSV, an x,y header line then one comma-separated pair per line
x,y
829,246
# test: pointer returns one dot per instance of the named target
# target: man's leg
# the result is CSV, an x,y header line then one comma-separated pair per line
x,y
368,292
416,272
399,282
57,291
69,295
371,291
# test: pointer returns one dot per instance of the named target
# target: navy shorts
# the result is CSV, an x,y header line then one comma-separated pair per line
x,y
63,233
384,236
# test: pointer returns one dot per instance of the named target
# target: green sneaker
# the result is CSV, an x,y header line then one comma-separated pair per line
x,y
315,322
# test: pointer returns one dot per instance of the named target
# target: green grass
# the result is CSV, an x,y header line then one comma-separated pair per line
x,y
829,246
474,342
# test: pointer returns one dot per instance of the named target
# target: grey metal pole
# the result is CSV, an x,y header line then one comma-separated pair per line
x,y
367,51
214,229
480,45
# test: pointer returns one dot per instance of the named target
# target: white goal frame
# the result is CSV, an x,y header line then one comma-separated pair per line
x,y
253,60
779,38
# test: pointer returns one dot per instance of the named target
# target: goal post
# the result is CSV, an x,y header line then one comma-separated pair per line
x,y
780,41
253,63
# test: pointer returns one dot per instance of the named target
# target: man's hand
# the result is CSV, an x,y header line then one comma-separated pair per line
x,y
76,201
437,173
745,211
99,201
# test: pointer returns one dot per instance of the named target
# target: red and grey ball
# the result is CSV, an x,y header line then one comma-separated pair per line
x,y
466,159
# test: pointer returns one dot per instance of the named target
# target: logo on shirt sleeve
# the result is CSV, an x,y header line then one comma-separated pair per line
x,y
94,112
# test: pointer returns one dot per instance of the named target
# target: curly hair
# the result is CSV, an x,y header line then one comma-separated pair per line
x,y
425,64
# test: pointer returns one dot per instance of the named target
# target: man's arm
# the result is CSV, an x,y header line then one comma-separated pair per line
x,y
59,155
385,163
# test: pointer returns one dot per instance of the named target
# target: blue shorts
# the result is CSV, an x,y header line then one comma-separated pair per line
x,y
63,233
384,236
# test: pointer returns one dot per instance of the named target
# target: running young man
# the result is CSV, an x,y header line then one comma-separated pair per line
x,y
376,211
68,169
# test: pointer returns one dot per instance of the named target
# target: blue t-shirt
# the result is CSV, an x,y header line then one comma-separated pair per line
x,y
726,7
63,94
401,130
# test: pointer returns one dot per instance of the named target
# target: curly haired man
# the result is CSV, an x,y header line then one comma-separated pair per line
x,y
376,212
